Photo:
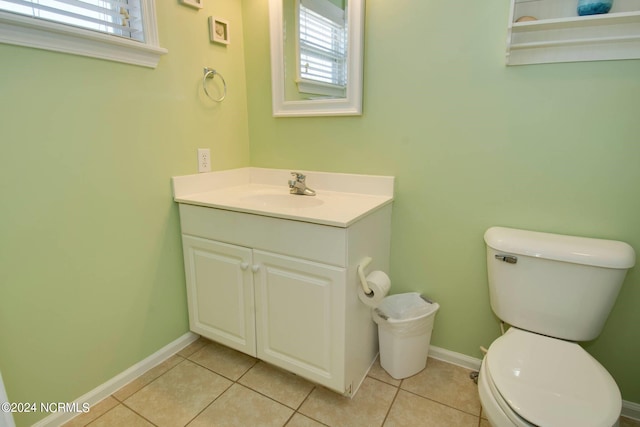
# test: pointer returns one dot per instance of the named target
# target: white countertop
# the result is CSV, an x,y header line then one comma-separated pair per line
x,y
266,192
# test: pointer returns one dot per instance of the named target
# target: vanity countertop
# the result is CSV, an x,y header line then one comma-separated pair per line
x,y
340,200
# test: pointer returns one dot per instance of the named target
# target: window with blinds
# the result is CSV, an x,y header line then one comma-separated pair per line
x,y
120,30
322,48
120,18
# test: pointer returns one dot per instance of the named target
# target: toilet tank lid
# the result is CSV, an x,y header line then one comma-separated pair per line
x,y
577,250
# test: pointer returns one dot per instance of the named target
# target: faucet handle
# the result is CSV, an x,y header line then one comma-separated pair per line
x,y
298,176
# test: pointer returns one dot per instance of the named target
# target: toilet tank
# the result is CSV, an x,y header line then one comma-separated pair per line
x,y
555,285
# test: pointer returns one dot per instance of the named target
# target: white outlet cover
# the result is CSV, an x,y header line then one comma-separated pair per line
x,y
204,160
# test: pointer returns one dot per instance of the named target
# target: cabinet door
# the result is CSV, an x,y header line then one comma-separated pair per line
x,y
220,292
300,317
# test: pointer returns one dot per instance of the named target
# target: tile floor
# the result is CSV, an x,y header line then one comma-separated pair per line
x,y
207,384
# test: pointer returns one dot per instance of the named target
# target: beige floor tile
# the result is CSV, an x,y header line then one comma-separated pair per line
x,y
120,416
629,422
94,412
379,373
299,420
223,360
445,383
241,407
193,347
411,410
283,386
484,422
147,377
367,409
179,395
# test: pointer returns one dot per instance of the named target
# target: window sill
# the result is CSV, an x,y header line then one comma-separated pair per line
x,y
39,34
317,88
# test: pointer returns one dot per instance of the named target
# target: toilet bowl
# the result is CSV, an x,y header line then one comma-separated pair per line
x,y
528,379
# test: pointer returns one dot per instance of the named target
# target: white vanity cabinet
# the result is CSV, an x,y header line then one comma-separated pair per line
x,y
285,291
220,292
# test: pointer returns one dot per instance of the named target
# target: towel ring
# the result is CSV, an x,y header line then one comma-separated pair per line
x,y
210,73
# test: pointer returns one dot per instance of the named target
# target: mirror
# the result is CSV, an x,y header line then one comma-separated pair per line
x,y
315,75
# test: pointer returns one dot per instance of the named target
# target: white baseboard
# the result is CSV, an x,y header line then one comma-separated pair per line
x,y
629,409
454,358
6,418
114,384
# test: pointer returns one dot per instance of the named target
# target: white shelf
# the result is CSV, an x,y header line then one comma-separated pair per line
x,y
559,35
579,21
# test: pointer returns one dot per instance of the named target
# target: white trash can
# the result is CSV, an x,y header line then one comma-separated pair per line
x,y
405,322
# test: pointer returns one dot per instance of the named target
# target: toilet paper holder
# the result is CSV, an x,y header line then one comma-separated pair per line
x,y
363,280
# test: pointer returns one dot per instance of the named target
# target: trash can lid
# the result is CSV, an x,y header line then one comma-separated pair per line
x,y
405,307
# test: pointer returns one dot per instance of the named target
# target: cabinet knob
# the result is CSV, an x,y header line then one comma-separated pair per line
x,y
255,268
244,265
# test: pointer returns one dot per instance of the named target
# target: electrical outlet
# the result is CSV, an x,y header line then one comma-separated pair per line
x,y
204,160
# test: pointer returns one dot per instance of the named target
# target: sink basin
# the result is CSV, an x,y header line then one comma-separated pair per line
x,y
288,201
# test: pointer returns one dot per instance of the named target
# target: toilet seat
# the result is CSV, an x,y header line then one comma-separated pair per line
x,y
494,407
550,382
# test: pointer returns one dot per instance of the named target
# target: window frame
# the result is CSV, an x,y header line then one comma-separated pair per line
x,y
27,31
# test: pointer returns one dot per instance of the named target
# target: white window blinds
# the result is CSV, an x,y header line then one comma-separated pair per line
x,y
322,45
114,17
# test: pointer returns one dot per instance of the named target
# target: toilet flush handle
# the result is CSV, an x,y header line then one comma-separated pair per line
x,y
507,258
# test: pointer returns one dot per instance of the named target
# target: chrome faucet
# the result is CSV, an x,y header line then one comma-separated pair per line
x,y
298,185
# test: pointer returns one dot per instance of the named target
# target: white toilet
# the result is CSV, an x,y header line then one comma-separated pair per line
x,y
552,290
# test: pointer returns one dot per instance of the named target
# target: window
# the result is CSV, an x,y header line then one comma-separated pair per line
x,y
118,30
322,49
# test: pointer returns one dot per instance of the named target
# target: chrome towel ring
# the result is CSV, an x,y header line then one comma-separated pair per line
x,y
210,73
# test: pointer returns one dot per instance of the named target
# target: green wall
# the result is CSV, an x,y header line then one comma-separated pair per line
x,y
472,144
91,274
